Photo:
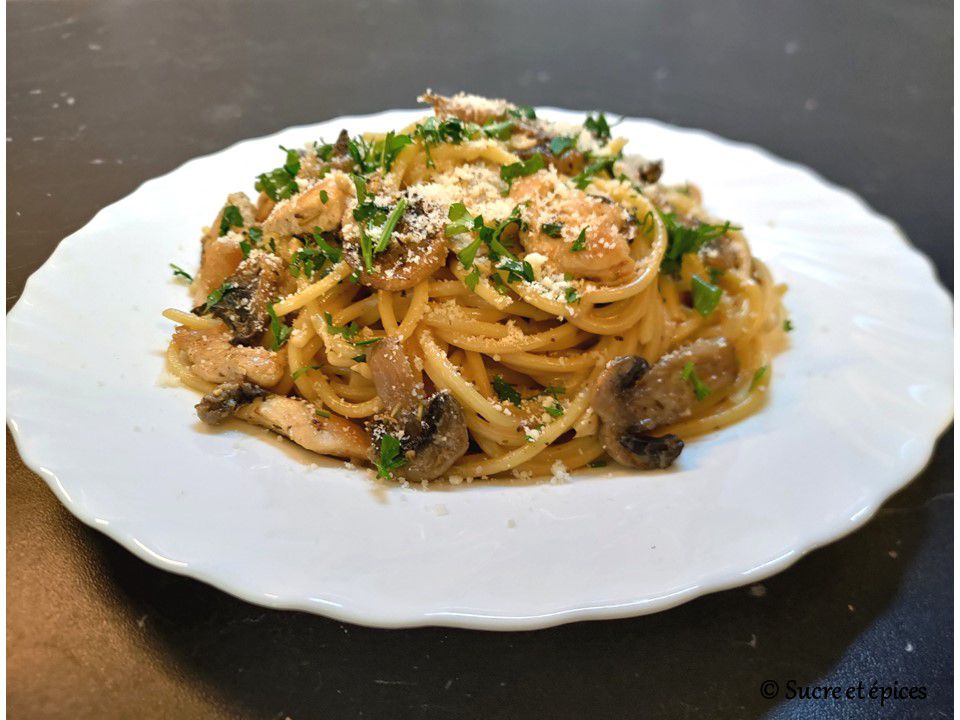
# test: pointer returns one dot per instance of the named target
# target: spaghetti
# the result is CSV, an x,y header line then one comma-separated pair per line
x,y
482,293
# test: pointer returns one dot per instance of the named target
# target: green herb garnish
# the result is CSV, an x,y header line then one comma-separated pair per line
x,y
571,296
682,240
347,331
706,297
551,229
180,272
757,377
787,326
598,126
498,130
555,410
581,242
600,164
392,219
560,144
300,371
689,374
505,391
230,217
390,457
472,279
245,248
518,270
279,331
216,296
509,173
281,183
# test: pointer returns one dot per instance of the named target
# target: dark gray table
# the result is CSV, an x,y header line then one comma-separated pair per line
x,y
103,95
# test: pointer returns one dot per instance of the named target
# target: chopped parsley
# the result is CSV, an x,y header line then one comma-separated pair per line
x,y
367,211
390,458
389,148
581,242
553,391
555,410
359,358
498,284
245,248
279,331
321,413
324,197
505,391
560,144
434,132
758,377
498,130
281,183
509,173
347,331
787,326
523,112
300,371
682,240
362,343
571,296
472,279
216,296
311,258
706,297
517,270
689,374
392,219
600,164
598,126
230,217
715,273
551,229
180,272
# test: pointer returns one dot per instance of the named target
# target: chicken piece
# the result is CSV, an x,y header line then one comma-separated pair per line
x,y
321,205
293,418
212,357
432,431
633,399
469,108
604,253
221,253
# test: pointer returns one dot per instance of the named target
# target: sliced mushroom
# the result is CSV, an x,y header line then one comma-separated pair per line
x,y
243,305
633,399
212,357
432,431
725,253
634,448
417,247
293,418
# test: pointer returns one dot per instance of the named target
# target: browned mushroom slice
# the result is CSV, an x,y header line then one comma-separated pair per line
x,y
417,247
246,296
293,418
432,432
631,391
220,252
212,357
634,448
469,108
633,399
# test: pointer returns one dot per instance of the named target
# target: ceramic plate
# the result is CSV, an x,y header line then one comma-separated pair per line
x,y
856,404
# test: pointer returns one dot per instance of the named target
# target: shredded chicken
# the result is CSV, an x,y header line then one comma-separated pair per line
x,y
608,229
293,418
212,357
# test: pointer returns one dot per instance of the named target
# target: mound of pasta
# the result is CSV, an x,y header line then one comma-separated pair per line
x,y
484,292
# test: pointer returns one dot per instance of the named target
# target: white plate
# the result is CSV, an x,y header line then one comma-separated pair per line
x,y
856,404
